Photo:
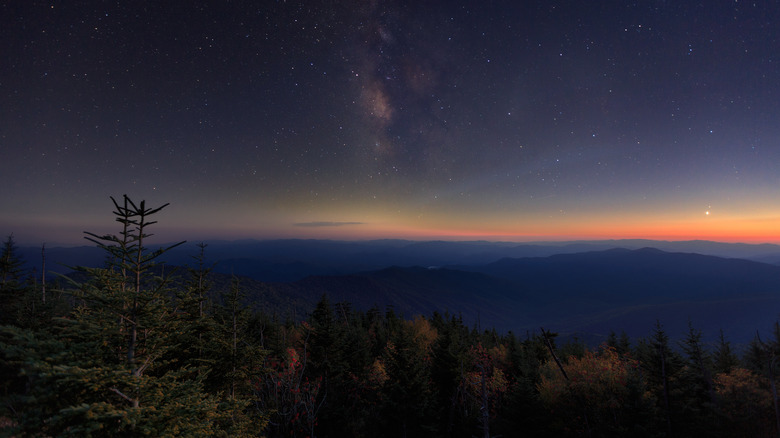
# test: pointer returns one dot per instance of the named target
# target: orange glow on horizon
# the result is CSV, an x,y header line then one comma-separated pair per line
x,y
760,230
679,233
717,226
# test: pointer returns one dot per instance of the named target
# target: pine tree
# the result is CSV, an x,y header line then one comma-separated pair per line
x,y
660,365
237,365
325,342
408,410
12,288
105,370
524,410
622,344
448,370
696,390
192,305
724,357
194,342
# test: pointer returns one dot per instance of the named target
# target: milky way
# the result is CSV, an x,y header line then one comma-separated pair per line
x,y
373,119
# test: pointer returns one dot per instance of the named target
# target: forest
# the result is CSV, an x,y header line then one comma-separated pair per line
x,y
136,348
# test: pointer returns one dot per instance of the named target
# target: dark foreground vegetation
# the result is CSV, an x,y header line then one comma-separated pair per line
x,y
132,349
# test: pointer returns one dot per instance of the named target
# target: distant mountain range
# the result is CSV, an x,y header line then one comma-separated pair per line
x,y
582,288
294,259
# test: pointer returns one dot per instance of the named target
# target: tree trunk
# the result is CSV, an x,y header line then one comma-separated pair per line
x,y
43,273
666,389
485,406
773,385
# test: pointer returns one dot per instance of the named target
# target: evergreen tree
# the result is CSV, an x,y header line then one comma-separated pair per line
x,y
724,359
23,296
408,408
237,364
192,306
524,410
12,288
696,391
612,340
325,343
754,357
448,370
660,365
357,397
104,370
622,344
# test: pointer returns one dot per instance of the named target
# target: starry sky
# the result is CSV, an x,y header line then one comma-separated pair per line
x,y
461,120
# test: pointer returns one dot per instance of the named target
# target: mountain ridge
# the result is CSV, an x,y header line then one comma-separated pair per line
x,y
294,259
586,293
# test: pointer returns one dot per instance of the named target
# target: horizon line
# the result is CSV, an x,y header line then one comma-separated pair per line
x,y
550,240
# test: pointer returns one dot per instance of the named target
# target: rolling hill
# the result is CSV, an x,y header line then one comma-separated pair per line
x,y
585,288
587,294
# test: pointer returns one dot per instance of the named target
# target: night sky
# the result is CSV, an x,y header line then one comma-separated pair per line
x,y
497,120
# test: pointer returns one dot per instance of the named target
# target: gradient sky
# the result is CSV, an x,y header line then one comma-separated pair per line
x,y
499,120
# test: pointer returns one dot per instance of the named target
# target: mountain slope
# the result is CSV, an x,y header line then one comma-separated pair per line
x,y
294,259
412,291
637,276
586,293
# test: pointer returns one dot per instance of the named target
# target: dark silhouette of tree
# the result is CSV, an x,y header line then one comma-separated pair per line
x,y
696,391
622,344
724,358
448,369
660,365
408,409
12,288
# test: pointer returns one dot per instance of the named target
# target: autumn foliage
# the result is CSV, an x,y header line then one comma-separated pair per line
x,y
595,393
128,351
